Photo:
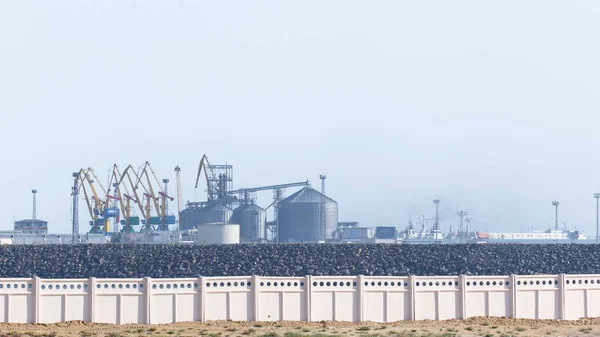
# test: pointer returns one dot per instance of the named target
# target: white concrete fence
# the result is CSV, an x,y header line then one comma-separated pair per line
x,y
310,298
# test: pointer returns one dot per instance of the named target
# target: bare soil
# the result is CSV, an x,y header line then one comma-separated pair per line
x,y
484,327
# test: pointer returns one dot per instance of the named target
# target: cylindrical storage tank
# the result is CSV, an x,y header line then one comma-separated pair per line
x,y
218,233
215,213
189,217
251,219
301,220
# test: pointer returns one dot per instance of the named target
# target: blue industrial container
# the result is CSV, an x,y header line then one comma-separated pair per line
x,y
134,220
111,212
385,232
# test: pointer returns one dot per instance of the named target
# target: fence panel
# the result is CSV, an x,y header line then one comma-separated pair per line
x,y
119,301
582,296
538,297
386,299
487,296
17,301
335,299
174,300
282,299
229,298
437,297
64,300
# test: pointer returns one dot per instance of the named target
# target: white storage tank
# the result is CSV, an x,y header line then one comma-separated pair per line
x,y
218,233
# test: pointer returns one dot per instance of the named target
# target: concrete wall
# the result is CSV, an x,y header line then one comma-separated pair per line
x,y
310,298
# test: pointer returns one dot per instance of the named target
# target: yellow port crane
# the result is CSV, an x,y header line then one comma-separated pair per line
x,y
163,220
133,221
117,180
93,201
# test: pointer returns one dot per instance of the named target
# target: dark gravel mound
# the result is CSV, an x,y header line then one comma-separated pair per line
x,y
167,261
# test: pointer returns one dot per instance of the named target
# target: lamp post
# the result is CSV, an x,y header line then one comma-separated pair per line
x,y
597,196
555,204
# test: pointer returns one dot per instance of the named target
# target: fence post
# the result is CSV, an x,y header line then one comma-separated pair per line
x,y
513,293
361,290
308,293
202,300
255,296
92,295
463,296
148,293
563,293
36,299
413,308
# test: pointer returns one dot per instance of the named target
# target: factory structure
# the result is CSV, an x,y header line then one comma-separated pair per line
x,y
134,206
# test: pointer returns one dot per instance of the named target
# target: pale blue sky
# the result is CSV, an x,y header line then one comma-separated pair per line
x,y
493,105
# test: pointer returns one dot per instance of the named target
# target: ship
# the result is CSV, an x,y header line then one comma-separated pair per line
x,y
412,235
535,236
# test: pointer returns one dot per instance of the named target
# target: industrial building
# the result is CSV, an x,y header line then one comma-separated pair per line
x,y
33,226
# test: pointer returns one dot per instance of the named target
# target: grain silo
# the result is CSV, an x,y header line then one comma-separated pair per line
x,y
307,216
215,212
251,219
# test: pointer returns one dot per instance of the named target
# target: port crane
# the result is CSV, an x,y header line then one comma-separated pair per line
x,y
163,220
219,180
126,177
94,203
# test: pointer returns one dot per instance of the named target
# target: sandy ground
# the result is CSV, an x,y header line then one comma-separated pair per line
x,y
485,327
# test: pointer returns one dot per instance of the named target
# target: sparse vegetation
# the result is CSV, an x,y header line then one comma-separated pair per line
x,y
249,332
363,328
469,328
520,329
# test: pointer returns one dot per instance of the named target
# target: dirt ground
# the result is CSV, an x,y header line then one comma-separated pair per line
x,y
484,327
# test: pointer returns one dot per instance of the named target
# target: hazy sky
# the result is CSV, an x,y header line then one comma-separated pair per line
x,y
493,105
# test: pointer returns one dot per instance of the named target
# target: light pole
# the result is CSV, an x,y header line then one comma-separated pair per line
x,y
555,204
597,196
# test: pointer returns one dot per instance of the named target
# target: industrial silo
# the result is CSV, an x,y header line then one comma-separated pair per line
x,y
218,233
307,216
189,217
251,219
215,212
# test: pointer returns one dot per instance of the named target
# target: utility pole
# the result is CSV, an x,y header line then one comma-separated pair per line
x,y
597,196
34,192
555,204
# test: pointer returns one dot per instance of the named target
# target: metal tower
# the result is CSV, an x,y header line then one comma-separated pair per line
x,y
462,214
34,192
436,226
597,196
555,204
323,227
75,194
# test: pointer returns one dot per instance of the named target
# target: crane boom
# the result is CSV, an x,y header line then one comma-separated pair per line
x,y
203,164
